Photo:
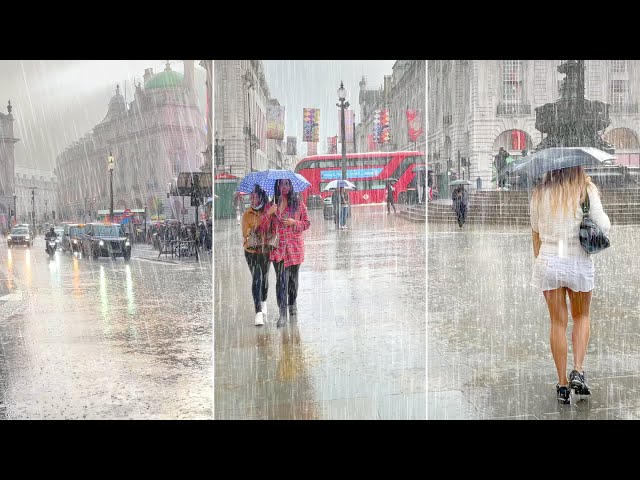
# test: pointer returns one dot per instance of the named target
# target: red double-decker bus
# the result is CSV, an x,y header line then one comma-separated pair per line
x,y
368,171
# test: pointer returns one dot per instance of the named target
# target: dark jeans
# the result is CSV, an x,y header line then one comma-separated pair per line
x,y
390,204
286,284
259,267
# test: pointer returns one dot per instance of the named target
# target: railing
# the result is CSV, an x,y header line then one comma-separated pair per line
x,y
514,109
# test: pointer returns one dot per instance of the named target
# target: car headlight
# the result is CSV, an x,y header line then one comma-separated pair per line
x,y
75,241
101,243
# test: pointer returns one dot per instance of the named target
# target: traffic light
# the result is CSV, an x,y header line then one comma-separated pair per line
x,y
11,212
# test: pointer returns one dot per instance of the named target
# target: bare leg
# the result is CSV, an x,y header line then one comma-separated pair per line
x,y
557,304
580,311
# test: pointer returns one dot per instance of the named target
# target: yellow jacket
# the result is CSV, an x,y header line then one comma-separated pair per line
x,y
251,220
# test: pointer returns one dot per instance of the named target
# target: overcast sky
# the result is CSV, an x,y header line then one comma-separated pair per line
x,y
55,102
314,84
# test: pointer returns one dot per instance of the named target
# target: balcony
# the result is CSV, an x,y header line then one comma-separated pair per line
x,y
623,108
447,120
513,109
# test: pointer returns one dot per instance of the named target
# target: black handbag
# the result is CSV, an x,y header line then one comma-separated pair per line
x,y
592,238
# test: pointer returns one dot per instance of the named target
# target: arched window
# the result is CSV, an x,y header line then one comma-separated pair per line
x,y
623,139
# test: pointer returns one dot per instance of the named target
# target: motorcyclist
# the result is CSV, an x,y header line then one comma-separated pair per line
x,y
50,235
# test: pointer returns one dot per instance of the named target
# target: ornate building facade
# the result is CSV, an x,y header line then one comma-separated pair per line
x,y
241,96
478,106
7,166
404,89
36,192
153,138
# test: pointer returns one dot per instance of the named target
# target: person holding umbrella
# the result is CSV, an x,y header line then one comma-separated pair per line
x,y
256,220
390,191
460,198
289,218
561,267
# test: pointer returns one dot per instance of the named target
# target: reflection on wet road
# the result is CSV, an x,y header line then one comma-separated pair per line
x,y
358,348
103,339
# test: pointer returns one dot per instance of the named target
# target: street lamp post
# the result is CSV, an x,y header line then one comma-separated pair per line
x,y
111,167
342,95
15,210
45,211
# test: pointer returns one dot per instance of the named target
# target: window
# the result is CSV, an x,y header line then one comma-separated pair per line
x,y
512,82
618,93
618,66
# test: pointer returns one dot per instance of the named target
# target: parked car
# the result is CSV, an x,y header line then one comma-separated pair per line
x,y
20,236
105,240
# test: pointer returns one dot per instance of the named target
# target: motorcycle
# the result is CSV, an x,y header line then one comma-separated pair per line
x,y
51,247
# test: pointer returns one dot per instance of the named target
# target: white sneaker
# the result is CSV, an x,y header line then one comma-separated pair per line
x,y
264,308
259,319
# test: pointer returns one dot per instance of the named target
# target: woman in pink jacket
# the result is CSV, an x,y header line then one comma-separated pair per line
x,y
289,218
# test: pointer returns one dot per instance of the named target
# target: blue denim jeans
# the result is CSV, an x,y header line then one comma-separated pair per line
x,y
343,215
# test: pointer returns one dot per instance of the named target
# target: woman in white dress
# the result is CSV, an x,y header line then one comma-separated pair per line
x,y
562,268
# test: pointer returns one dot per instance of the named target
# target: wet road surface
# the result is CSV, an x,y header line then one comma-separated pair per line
x,y
104,339
358,348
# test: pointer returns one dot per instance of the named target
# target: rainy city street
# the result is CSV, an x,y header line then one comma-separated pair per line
x,y
358,348
488,329
103,339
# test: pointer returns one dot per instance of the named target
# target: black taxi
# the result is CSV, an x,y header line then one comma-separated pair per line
x,y
105,240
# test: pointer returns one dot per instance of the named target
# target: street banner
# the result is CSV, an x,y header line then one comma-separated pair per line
x,y
311,125
291,146
381,132
312,148
332,145
349,121
275,122
414,123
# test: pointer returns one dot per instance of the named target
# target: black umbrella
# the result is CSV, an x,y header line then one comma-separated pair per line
x,y
550,159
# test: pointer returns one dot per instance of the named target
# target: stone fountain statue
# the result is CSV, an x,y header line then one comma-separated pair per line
x,y
573,121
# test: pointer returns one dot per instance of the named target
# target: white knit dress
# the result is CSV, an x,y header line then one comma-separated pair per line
x,y
562,262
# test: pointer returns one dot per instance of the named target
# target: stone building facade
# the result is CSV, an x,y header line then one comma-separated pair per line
x,y
36,192
241,96
152,138
477,106
7,166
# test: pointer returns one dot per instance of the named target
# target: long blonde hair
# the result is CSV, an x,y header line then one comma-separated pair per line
x,y
567,187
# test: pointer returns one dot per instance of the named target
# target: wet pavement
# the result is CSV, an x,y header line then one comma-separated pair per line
x,y
488,329
358,348
104,339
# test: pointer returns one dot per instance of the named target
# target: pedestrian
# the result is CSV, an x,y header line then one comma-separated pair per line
x,y
390,200
562,268
335,204
500,164
343,196
255,220
460,199
289,216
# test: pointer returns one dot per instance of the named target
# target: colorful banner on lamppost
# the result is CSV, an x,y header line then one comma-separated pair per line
x,y
381,133
414,122
275,122
349,122
311,125
332,145
312,148
291,145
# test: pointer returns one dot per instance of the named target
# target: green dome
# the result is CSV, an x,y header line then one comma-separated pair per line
x,y
165,79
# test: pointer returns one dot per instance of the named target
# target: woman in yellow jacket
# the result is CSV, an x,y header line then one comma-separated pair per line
x,y
255,219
